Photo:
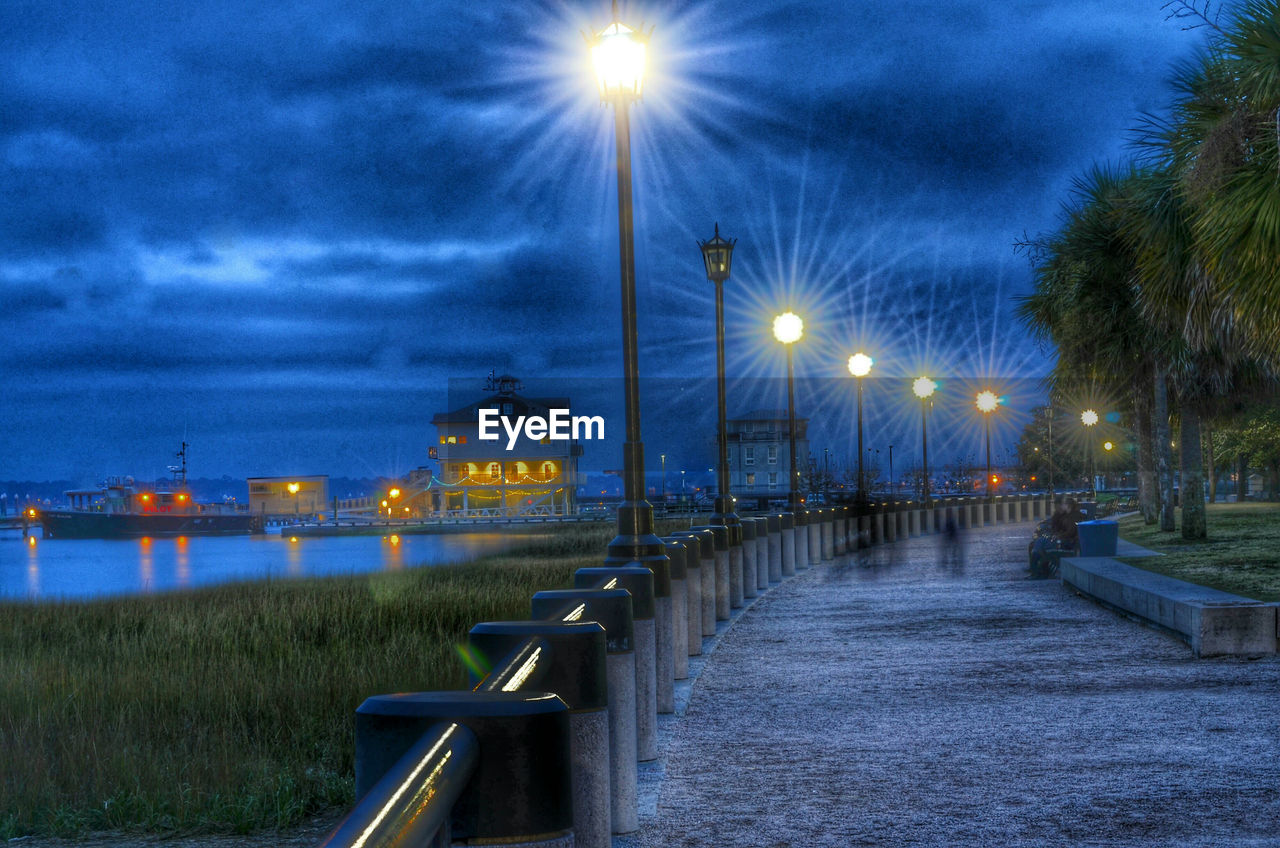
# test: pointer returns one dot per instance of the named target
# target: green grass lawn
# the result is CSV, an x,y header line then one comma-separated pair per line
x,y
232,708
1242,554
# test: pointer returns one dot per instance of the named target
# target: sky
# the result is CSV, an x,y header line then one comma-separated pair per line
x,y
285,232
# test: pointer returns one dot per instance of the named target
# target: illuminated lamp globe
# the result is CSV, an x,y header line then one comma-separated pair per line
x,y
619,57
987,401
923,387
1088,418
860,364
788,328
1108,446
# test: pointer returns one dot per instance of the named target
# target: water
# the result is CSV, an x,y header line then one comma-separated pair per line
x,y
54,569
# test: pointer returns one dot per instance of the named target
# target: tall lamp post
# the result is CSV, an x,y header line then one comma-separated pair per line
x,y
1089,418
717,256
860,366
924,388
618,55
293,491
987,403
788,328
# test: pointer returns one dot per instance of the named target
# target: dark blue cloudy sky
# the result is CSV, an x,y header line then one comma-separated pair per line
x,y
282,228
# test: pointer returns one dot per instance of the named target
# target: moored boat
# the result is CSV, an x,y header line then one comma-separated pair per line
x,y
118,509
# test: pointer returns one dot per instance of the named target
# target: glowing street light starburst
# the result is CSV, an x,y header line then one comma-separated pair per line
x,y
987,401
923,387
860,364
788,328
1089,417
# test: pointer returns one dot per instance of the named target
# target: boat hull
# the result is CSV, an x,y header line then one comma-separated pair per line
x,y
68,524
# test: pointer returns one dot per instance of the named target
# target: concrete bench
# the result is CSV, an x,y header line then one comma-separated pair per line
x,y
1214,623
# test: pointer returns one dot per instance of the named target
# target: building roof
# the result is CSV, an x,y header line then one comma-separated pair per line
x,y
519,406
766,415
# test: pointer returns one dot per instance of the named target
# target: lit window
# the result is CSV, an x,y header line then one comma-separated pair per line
x,y
462,440
751,479
453,440
442,441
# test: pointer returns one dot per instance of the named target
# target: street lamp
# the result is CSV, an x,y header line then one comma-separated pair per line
x,y
987,403
788,328
663,457
860,366
924,388
1089,418
618,54
717,255
293,490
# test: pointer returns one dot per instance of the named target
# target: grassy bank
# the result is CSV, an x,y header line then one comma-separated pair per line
x,y
1242,554
230,708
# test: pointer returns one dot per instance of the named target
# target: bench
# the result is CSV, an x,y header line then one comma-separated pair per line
x,y
1212,622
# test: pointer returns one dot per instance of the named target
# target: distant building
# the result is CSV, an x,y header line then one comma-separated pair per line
x,y
483,478
289,496
760,454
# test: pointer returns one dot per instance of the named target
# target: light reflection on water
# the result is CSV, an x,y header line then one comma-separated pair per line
x,y
51,569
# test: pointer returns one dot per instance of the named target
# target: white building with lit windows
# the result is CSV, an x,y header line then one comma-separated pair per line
x,y
760,455
481,478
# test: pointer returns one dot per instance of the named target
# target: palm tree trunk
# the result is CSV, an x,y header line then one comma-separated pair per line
x,y
1147,490
1208,461
1163,450
1193,512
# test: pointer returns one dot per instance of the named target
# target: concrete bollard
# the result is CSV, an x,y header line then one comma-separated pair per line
x,y
748,526
576,672
828,534
678,553
964,515
523,757
612,608
707,559
639,581
800,519
814,523
840,530
762,552
722,604
737,564
774,523
889,513
914,527
788,544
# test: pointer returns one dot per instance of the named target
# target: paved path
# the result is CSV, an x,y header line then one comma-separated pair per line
x,y
907,703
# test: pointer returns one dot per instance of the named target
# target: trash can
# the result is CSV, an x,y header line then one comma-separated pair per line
x,y
1098,538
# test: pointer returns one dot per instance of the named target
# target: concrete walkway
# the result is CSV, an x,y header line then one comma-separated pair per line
x,y
903,702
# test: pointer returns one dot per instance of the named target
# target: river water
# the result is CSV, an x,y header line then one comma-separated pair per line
x,y
75,569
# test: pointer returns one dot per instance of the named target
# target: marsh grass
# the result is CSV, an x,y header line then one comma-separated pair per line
x,y
1241,556
230,709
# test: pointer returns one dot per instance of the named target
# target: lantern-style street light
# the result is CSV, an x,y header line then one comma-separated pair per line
x,y
987,402
924,388
860,366
788,328
619,56
717,256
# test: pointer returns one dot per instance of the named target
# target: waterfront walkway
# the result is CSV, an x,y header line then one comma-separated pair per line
x,y
902,702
